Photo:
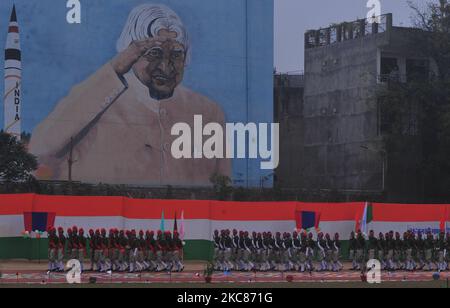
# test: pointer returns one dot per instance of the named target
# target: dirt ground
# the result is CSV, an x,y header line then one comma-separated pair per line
x,y
25,265
23,273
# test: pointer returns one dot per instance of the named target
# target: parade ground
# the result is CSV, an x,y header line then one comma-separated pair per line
x,y
33,274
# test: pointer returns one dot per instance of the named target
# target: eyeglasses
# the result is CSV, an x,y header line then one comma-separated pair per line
x,y
157,53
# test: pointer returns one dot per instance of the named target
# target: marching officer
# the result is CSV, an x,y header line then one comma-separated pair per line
x,y
287,252
265,252
420,250
141,245
441,247
161,246
278,250
398,251
321,253
352,250
429,246
113,249
122,245
329,252
311,245
296,245
360,247
217,251
390,247
61,249
91,248
53,243
248,252
372,245
235,250
409,248
177,248
82,244
381,247
269,242
302,253
336,247
151,250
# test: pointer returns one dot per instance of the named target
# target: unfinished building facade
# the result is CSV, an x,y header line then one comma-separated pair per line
x,y
343,149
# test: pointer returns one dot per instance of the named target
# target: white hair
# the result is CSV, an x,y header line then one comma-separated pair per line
x,y
146,20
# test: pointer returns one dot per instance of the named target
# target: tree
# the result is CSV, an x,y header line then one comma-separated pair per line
x,y
424,102
16,164
222,186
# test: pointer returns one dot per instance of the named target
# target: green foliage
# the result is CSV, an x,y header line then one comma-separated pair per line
x,y
221,185
424,103
16,164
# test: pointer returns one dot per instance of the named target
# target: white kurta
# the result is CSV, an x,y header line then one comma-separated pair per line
x,y
131,143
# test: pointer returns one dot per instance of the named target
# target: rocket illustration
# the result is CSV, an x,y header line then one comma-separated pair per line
x,y
13,79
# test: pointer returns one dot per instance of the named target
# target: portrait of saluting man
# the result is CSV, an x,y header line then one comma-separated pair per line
x,y
116,125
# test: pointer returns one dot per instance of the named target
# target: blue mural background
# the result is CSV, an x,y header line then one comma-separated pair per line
x,y
232,56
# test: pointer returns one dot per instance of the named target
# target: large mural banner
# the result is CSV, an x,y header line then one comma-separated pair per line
x,y
141,92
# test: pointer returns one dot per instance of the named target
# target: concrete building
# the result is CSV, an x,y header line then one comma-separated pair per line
x,y
288,111
338,144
